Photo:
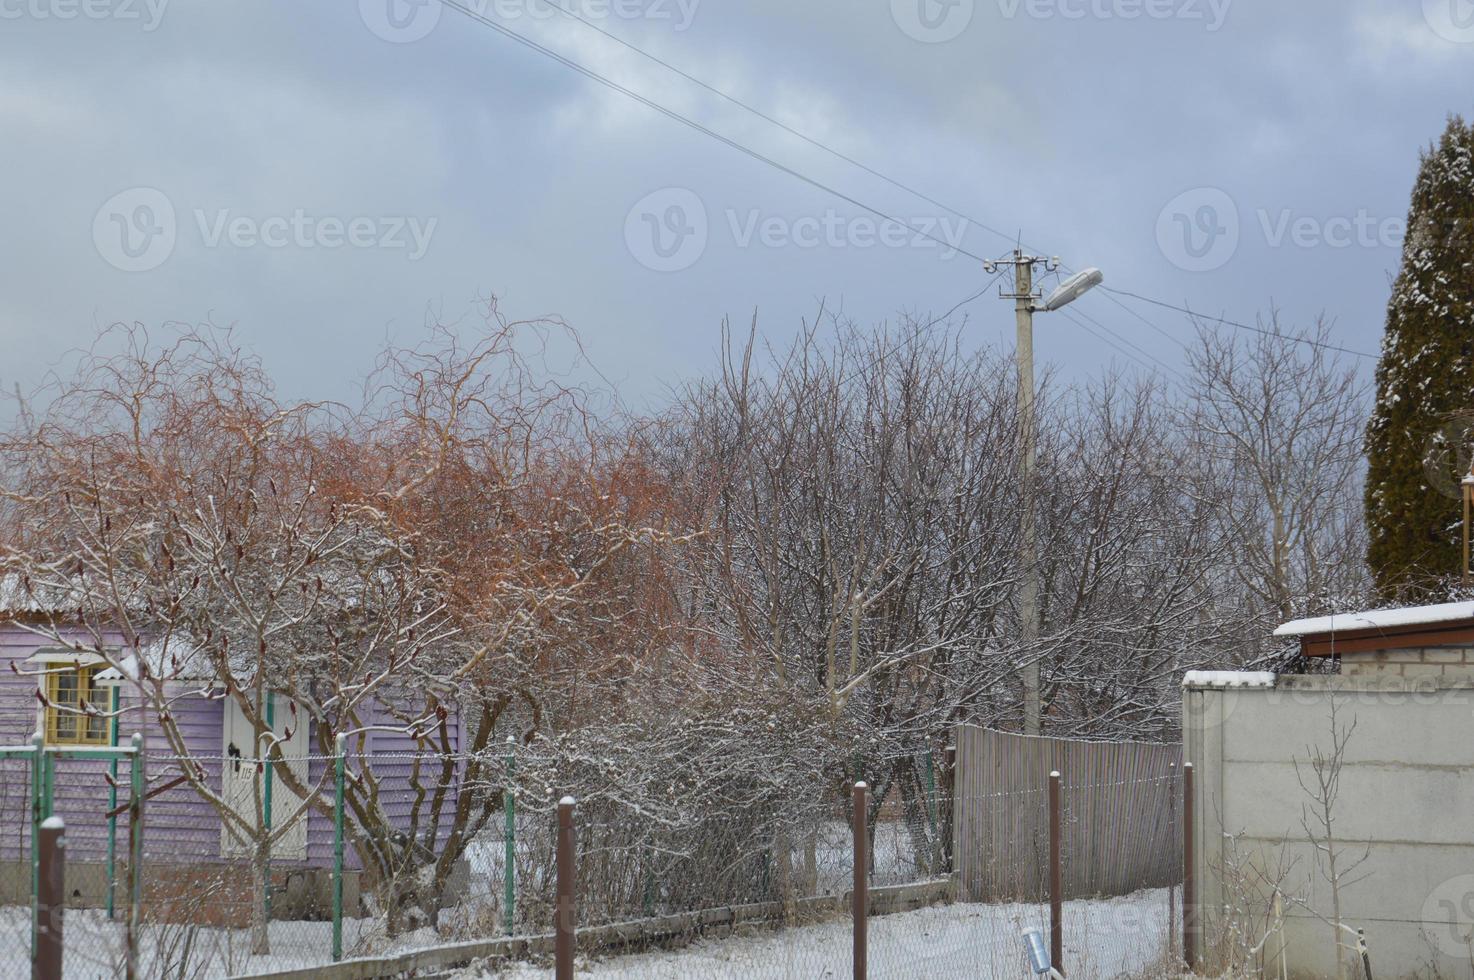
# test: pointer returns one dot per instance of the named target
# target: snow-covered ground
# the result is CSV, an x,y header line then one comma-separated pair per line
x,y
1118,933
94,946
1106,938
1103,938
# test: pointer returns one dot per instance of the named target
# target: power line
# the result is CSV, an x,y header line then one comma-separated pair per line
x,y
734,100
672,114
1075,317
894,182
1164,333
589,73
1242,326
1075,314
872,362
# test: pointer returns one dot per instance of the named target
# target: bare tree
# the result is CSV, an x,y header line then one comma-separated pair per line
x,y
1127,557
858,506
1275,422
374,569
1321,782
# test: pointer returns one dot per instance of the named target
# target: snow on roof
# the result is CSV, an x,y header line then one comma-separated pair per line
x,y
1228,678
16,598
1446,612
177,660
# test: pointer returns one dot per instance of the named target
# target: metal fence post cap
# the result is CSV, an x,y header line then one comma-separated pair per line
x,y
1054,774
340,740
861,785
53,823
567,801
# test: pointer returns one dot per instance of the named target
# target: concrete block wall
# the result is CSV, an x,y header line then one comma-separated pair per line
x,y
1406,802
1453,665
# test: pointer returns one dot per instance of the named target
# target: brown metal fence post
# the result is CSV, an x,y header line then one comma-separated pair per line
x,y
949,806
563,925
860,904
137,786
1056,880
1189,884
50,900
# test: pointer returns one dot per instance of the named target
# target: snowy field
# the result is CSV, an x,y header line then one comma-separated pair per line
x,y
95,946
1121,937
1108,938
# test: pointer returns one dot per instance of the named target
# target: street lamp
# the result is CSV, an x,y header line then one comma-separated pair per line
x,y
1027,303
1072,289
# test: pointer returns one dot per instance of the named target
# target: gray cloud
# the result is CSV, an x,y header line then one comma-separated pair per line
x,y
1074,131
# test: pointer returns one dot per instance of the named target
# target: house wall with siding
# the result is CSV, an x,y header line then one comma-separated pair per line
x,y
180,826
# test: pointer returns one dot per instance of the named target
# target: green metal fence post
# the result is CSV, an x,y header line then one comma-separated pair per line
x,y
266,796
112,807
135,852
48,783
38,751
340,747
509,838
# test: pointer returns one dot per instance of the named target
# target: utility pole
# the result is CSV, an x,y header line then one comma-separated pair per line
x,y
1028,601
1026,303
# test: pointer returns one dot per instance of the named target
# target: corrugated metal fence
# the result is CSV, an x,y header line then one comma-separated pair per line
x,y
1121,821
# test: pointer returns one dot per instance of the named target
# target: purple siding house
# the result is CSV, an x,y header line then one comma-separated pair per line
x,y
187,847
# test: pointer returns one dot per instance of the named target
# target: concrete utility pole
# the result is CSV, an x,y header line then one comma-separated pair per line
x,y
1028,601
1026,303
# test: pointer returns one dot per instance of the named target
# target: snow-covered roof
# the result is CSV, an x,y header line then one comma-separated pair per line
x,y
1228,678
1446,612
177,660
16,599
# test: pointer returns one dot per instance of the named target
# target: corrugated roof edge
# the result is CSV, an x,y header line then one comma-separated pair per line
x,y
1228,678
1446,612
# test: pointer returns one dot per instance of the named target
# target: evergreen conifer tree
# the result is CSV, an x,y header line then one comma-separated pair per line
x,y
1418,438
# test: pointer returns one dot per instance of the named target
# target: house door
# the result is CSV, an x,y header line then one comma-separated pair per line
x,y
241,779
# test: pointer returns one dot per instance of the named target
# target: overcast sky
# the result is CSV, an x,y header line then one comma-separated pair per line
x,y
324,174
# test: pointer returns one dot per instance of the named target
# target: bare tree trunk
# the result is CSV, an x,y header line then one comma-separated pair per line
x,y
811,862
783,856
916,817
1323,786
260,882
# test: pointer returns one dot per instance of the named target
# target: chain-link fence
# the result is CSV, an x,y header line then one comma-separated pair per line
x,y
16,866
245,868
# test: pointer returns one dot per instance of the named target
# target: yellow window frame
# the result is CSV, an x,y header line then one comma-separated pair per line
x,y
69,688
